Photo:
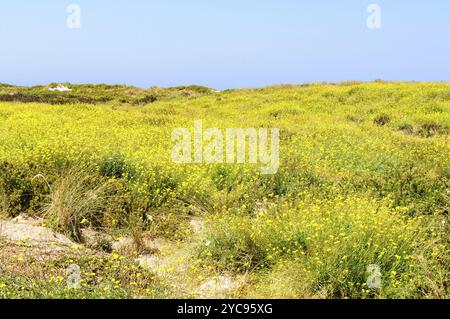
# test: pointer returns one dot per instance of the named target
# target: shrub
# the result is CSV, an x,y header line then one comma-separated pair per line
x,y
150,98
193,88
16,190
382,119
406,128
115,166
429,129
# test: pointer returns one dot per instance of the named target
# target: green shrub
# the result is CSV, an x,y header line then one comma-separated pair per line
x,y
116,166
193,88
16,190
382,119
429,129
406,128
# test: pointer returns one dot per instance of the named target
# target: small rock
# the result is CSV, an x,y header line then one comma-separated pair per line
x,y
97,240
127,245
25,219
24,232
124,245
151,262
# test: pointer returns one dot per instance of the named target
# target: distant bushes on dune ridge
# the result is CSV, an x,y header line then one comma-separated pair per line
x,y
95,94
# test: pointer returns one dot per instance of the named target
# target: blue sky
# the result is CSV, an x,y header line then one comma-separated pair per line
x,y
223,43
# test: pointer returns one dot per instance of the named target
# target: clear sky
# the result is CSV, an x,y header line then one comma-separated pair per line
x,y
223,43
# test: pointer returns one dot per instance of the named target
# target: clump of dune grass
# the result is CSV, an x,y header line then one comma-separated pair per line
x,y
76,198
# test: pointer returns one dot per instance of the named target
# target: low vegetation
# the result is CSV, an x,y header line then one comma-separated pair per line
x,y
96,94
107,277
363,180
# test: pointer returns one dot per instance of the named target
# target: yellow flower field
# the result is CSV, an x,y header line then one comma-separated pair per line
x,y
363,180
